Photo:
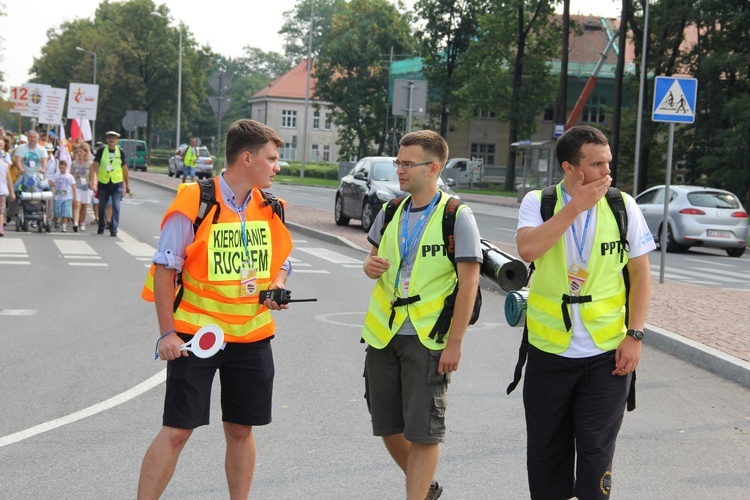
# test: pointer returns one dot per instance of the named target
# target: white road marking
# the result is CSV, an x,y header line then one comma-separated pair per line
x,y
12,246
311,271
18,312
703,275
708,262
74,248
16,262
88,264
133,246
330,255
123,397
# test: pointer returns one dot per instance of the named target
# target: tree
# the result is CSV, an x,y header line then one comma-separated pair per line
x,y
508,70
450,26
349,71
2,76
296,27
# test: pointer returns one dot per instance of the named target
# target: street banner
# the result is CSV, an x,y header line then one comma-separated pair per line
x,y
36,93
82,101
53,103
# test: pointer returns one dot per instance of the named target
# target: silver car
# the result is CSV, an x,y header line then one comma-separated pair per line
x,y
203,166
698,216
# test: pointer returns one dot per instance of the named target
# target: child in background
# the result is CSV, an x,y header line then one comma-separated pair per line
x,y
65,192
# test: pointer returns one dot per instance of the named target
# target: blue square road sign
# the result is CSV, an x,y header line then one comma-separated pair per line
x,y
674,99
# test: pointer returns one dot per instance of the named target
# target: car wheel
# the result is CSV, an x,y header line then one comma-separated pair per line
x,y
40,226
338,212
672,245
736,252
18,225
368,216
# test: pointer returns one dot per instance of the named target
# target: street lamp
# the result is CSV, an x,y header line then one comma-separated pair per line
x,y
179,79
93,122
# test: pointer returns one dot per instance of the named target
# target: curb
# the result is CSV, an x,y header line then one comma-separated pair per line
x,y
705,357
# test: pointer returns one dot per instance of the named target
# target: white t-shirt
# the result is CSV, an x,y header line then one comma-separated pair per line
x,y
32,158
52,169
639,237
3,178
63,186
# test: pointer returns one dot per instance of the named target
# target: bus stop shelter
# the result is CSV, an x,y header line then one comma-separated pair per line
x,y
539,168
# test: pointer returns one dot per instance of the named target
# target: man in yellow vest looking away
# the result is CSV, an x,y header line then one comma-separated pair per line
x,y
209,273
584,326
189,159
107,175
407,366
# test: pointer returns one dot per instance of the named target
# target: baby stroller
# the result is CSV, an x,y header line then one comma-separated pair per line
x,y
33,192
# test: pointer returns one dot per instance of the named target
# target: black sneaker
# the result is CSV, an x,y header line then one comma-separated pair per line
x,y
100,231
436,489
113,234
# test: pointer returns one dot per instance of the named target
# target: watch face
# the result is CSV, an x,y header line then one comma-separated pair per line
x,y
636,334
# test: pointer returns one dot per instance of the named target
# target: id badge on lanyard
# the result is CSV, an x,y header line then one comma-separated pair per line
x,y
248,279
577,276
111,159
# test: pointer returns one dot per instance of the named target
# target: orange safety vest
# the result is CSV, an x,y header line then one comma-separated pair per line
x,y
211,272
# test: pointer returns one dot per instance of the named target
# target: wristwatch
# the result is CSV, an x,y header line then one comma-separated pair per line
x,y
636,334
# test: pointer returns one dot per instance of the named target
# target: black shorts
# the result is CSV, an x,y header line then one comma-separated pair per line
x,y
246,373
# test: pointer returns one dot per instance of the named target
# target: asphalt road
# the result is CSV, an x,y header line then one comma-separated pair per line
x,y
81,395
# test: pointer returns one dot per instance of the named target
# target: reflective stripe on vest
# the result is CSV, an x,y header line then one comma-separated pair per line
x,y
211,273
115,175
433,278
604,316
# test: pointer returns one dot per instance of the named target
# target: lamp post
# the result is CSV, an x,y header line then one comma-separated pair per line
x,y
93,122
179,80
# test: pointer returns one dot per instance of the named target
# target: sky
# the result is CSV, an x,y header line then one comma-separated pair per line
x,y
221,24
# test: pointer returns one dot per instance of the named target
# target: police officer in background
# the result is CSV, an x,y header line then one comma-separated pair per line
x,y
107,175
214,292
583,351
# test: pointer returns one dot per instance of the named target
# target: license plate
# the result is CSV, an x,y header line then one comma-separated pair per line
x,y
719,234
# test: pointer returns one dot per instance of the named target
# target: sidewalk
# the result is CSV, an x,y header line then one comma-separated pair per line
x,y
697,324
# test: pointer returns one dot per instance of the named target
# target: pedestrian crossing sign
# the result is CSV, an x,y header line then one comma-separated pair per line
x,y
674,99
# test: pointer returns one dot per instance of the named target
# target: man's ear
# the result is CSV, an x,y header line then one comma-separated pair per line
x,y
568,168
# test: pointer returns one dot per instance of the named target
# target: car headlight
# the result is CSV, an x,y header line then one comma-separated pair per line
x,y
384,195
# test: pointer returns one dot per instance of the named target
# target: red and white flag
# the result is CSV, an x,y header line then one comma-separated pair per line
x,y
82,129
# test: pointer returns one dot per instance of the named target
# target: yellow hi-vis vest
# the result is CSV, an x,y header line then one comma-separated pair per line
x,y
115,175
433,278
211,272
604,315
191,156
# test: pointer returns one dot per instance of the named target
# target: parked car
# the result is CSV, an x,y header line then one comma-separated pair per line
x,y
372,182
698,216
204,167
136,153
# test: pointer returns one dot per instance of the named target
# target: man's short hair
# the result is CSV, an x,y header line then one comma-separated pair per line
x,y
248,135
434,146
569,145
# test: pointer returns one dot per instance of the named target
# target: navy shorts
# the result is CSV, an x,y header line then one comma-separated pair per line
x,y
246,373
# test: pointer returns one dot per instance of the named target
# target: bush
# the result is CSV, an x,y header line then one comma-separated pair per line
x,y
314,170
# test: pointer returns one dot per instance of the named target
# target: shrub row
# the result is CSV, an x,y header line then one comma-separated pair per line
x,y
314,170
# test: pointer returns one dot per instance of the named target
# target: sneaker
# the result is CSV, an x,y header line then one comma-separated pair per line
x,y
83,226
113,233
64,228
436,489
75,228
100,231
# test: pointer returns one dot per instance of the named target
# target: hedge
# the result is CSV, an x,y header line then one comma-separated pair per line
x,y
314,170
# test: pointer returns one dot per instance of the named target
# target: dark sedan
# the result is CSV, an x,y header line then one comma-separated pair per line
x,y
372,182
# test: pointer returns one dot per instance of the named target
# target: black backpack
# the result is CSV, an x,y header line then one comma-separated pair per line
x,y
207,202
617,205
449,221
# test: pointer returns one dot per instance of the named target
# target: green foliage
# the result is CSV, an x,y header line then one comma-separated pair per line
x,y
314,170
296,28
350,74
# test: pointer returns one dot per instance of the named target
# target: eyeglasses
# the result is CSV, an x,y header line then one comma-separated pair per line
x,y
409,164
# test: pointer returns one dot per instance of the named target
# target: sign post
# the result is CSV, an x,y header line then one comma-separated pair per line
x,y
674,102
220,83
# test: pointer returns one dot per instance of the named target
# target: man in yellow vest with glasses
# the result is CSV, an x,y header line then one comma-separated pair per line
x,y
583,347
407,366
107,175
240,248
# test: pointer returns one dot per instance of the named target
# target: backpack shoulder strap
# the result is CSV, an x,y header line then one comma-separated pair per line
x,y
617,204
449,223
390,210
549,200
271,200
207,202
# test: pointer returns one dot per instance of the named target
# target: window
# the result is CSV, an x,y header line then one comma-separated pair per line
x,y
288,119
326,153
316,120
483,113
327,121
549,113
315,153
289,151
593,112
485,152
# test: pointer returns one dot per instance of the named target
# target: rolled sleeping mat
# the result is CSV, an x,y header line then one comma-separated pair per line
x,y
44,184
515,307
507,271
39,196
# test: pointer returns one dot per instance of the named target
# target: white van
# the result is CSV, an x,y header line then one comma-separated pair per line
x,y
463,170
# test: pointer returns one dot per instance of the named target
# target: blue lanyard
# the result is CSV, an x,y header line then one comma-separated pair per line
x,y
579,246
409,241
243,236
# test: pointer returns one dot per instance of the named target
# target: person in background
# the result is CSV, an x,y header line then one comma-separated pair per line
x,y
189,159
65,192
109,178
51,172
80,169
30,157
6,187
